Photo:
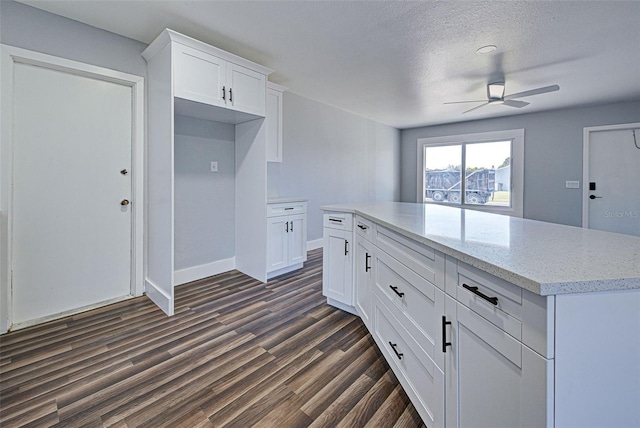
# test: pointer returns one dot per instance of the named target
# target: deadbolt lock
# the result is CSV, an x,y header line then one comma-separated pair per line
x,y
124,172
124,202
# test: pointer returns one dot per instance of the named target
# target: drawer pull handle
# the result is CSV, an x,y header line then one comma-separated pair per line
x,y
363,227
395,290
346,247
445,323
289,208
335,220
287,229
474,290
291,229
393,346
367,267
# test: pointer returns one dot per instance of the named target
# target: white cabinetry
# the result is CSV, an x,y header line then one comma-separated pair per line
x,y
364,270
274,122
337,260
204,76
187,77
286,237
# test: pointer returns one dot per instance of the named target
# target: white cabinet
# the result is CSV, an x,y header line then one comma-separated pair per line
x,y
496,380
187,77
337,260
209,79
286,237
364,278
274,122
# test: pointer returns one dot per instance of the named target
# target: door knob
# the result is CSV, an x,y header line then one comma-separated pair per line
x,y
594,197
124,202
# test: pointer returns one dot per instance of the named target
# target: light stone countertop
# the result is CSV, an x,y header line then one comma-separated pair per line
x,y
284,200
544,258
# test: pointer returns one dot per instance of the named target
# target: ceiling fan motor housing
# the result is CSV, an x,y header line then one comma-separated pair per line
x,y
495,91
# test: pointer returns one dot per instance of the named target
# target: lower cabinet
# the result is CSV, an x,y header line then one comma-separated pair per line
x,y
364,279
286,238
493,380
469,349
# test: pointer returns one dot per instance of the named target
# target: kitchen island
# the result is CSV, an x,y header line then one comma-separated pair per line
x,y
493,320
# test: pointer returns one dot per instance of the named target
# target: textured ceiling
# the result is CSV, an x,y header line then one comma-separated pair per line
x,y
397,62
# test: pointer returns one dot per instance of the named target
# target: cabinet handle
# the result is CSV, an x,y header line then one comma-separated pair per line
x,y
224,94
230,95
335,220
445,323
398,354
474,290
366,262
362,226
292,226
346,248
288,208
287,230
395,290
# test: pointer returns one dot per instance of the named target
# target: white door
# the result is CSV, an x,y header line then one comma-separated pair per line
x,y
247,89
612,180
297,239
71,234
337,266
199,76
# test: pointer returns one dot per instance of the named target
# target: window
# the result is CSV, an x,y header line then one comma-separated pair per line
x,y
493,165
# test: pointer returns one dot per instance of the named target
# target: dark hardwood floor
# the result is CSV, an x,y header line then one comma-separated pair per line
x,y
236,353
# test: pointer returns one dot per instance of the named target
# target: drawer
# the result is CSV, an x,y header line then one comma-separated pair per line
x,y
418,304
422,259
524,315
364,228
275,210
338,220
419,376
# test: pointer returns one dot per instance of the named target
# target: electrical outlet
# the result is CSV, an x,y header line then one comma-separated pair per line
x,y
214,166
573,184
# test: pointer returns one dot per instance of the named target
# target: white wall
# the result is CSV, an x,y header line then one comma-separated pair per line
x,y
553,154
331,157
204,201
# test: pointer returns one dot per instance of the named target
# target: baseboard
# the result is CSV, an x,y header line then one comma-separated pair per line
x,y
342,306
157,296
194,273
312,245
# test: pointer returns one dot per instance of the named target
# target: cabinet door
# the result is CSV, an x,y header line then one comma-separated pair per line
x,y
278,243
499,381
274,125
363,280
247,90
198,76
337,266
297,237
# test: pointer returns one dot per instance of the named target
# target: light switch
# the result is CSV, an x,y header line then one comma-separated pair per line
x,y
573,184
214,166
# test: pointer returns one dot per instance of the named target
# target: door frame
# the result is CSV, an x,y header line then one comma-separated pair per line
x,y
586,136
9,56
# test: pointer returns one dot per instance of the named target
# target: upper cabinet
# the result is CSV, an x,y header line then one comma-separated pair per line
x,y
274,122
212,77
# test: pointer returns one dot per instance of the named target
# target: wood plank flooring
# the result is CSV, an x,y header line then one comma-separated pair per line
x,y
237,353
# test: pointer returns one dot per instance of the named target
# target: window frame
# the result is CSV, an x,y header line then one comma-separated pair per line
x,y
516,136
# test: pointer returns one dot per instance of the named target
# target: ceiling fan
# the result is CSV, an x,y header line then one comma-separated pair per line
x,y
495,95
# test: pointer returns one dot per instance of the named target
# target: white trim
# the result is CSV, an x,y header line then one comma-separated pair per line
x,y
10,55
517,160
585,161
194,273
315,244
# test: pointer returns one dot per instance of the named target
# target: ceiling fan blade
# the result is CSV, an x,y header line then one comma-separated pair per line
x,y
538,91
476,108
515,103
463,102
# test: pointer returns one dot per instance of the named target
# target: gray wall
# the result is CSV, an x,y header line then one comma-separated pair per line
x,y
553,154
331,156
30,28
204,201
